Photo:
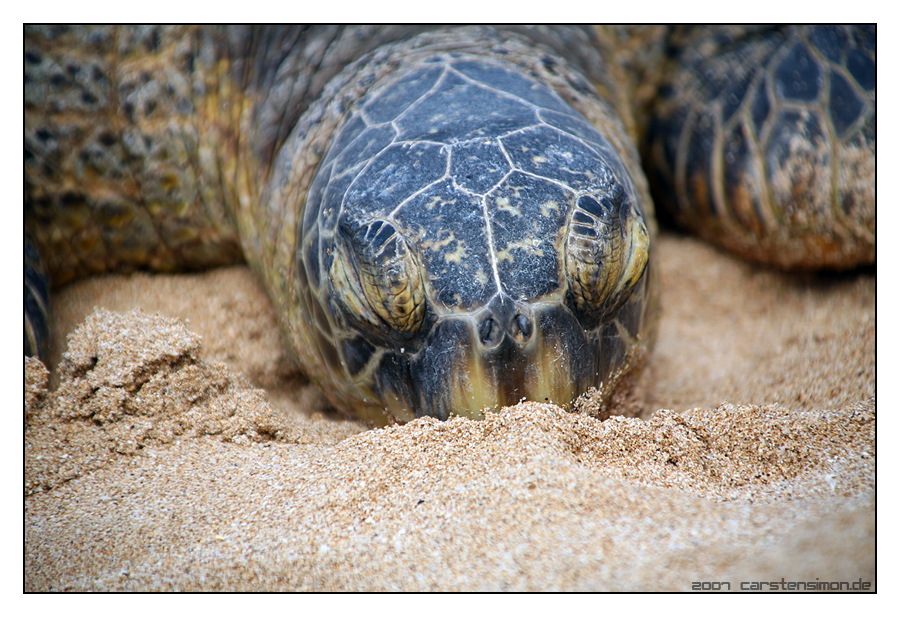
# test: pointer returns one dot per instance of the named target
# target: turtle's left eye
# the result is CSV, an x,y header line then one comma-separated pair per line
x,y
607,248
376,276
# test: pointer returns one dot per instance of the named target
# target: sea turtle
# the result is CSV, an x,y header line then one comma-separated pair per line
x,y
446,219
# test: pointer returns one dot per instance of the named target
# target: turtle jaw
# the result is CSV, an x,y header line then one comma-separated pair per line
x,y
457,373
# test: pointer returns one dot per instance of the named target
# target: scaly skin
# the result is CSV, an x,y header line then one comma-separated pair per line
x,y
142,142
764,142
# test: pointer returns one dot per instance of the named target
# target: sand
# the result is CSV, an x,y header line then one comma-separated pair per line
x,y
178,449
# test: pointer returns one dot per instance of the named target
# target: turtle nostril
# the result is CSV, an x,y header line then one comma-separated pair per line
x,y
488,331
523,327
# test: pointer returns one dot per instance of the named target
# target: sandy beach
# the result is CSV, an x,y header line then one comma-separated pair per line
x,y
175,447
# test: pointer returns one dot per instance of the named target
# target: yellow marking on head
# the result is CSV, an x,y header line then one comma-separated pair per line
x,y
548,377
637,253
436,245
434,201
504,205
549,206
470,388
342,277
530,245
457,255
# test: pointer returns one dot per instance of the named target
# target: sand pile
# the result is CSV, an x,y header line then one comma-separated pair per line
x,y
174,455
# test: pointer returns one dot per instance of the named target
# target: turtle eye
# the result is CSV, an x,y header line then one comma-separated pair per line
x,y
607,247
376,276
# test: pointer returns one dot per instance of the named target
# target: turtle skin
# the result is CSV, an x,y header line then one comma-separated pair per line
x,y
763,142
452,219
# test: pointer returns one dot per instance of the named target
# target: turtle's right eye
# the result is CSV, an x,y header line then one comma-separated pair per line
x,y
376,276
607,249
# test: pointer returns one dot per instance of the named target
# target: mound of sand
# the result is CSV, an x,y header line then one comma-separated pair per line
x,y
162,454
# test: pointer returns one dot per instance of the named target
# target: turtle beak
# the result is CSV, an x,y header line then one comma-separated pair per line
x,y
506,355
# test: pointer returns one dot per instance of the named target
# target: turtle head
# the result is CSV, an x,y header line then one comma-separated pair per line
x,y
469,240
432,357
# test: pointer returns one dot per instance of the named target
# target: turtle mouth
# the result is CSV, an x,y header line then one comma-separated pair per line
x,y
467,364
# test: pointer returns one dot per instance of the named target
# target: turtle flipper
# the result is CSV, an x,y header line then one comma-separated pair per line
x,y
37,295
764,142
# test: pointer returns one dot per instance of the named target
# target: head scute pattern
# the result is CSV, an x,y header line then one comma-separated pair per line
x,y
452,224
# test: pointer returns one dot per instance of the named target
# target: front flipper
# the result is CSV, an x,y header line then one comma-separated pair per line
x,y
37,294
764,143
